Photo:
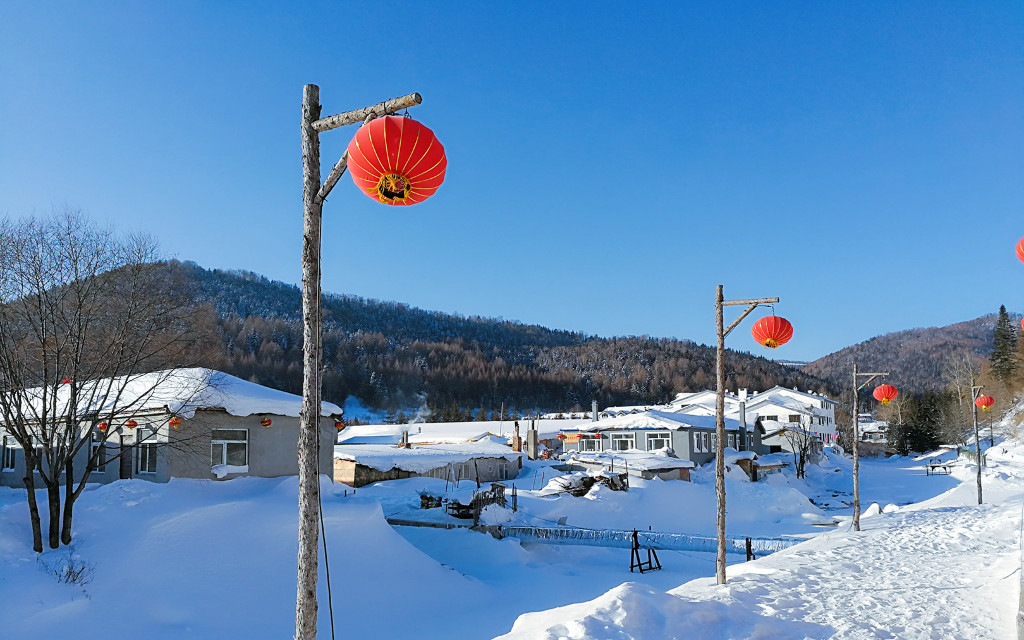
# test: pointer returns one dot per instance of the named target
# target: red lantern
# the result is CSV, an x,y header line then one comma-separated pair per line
x,y
1020,250
396,160
772,331
102,427
561,436
885,393
266,422
66,381
131,424
985,402
339,425
175,422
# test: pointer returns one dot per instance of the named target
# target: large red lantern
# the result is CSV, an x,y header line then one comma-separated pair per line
x,y
1020,250
175,422
885,393
266,422
772,331
131,424
339,425
396,160
102,427
984,402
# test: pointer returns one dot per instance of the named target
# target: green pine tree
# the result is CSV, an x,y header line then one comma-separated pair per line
x,y
1004,347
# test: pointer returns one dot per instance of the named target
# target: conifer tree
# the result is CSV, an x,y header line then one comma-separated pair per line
x,y
1004,343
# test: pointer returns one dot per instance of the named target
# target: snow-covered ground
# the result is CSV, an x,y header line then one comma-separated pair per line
x,y
207,559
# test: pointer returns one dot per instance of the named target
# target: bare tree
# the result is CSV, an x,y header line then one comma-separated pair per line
x,y
84,312
804,444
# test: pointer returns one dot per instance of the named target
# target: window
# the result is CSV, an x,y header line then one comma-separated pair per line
x,y
590,444
7,454
732,440
750,441
230,447
660,440
99,454
794,417
702,442
623,441
765,418
145,459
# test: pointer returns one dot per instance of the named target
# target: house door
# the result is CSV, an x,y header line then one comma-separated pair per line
x,y
126,461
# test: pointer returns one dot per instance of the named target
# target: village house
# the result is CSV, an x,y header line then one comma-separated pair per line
x,y
186,423
687,436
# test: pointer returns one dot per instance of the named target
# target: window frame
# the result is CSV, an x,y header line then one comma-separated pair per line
x,y
224,442
590,445
623,437
147,450
7,454
659,435
101,461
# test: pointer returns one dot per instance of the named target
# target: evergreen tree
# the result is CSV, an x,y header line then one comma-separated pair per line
x,y
1004,347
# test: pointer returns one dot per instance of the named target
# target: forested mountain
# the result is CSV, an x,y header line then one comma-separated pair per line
x,y
916,359
391,355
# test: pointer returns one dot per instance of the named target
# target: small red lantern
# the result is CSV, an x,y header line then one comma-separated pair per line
x,y
984,402
1020,250
175,422
885,393
66,381
102,427
339,425
561,436
772,331
396,160
266,422
131,424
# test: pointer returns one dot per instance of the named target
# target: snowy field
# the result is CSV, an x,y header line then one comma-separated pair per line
x,y
207,559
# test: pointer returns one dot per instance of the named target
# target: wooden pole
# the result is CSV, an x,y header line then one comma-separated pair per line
x,y
720,436
857,386
975,391
856,450
309,419
722,332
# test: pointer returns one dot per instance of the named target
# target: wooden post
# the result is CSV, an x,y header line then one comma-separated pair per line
x,y
856,450
309,419
722,332
720,437
313,196
975,391
856,438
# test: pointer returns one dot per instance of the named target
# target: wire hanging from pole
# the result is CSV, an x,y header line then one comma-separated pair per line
x,y
318,372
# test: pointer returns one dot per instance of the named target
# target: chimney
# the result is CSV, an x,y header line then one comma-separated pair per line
x,y
593,411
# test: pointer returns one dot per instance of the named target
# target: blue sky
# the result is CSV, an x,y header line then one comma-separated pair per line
x,y
608,164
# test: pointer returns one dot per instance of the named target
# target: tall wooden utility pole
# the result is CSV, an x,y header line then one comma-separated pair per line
x,y
720,303
313,195
857,386
975,391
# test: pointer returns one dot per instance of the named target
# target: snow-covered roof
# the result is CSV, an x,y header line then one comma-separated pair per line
x,y
633,459
659,420
421,458
181,392
452,432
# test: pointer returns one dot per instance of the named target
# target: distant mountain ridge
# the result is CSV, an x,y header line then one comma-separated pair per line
x,y
389,354
914,358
